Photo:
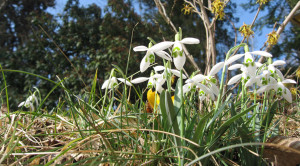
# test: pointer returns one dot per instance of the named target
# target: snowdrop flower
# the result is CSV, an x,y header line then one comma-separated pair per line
x,y
273,70
177,50
207,84
243,76
113,83
157,49
248,68
260,80
249,63
264,77
209,80
280,89
168,71
248,58
191,85
154,81
29,102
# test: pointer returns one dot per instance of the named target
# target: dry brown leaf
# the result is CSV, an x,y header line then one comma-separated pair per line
x,y
36,161
286,154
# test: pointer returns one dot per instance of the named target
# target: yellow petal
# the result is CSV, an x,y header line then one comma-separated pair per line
x,y
151,98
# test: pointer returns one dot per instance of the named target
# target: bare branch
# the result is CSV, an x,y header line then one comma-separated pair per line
x,y
163,13
2,5
282,26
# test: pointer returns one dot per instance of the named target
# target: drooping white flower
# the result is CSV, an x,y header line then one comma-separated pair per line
x,y
248,68
157,49
273,70
204,91
167,71
280,89
247,56
154,81
264,77
29,102
243,76
206,84
113,83
260,80
177,50
209,80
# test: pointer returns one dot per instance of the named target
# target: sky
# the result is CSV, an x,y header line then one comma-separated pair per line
x,y
245,17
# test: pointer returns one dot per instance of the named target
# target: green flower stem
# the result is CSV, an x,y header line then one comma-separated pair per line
x,y
182,124
223,74
243,95
155,104
246,49
254,111
266,125
167,65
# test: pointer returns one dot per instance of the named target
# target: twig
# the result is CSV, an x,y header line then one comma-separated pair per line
x,y
62,52
163,13
281,27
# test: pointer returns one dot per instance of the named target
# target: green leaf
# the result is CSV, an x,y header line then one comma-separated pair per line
x,y
226,125
118,69
220,109
200,128
271,113
177,100
169,116
93,90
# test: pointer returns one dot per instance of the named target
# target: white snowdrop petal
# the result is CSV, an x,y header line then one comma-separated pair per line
x,y
262,53
158,88
266,73
279,74
216,68
206,90
140,48
105,84
189,81
234,79
233,58
21,104
198,78
251,70
159,68
144,64
164,55
186,88
161,46
177,73
248,57
190,40
289,81
179,61
139,80
278,63
157,76
124,81
258,64
235,66
262,89
215,89
251,81
287,95
272,80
